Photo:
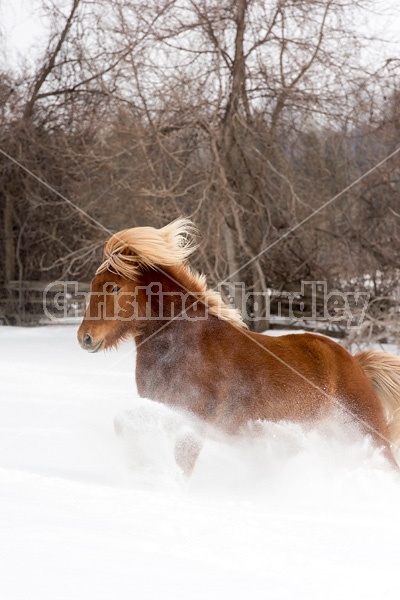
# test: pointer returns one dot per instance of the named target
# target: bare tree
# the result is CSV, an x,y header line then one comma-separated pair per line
x,y
246,116
231,87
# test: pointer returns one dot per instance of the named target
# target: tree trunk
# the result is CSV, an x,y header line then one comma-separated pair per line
x,y
9,256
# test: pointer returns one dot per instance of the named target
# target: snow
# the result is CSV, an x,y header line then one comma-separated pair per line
x,y
88,514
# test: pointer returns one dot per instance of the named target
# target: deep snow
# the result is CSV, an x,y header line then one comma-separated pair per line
x,y
85,514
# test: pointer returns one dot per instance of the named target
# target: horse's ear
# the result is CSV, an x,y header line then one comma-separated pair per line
x,y
120,244
124,250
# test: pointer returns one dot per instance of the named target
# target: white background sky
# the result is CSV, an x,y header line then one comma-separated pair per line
x,y
24,28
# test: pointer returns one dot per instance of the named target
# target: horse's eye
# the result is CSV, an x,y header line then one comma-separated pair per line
x,y
110,288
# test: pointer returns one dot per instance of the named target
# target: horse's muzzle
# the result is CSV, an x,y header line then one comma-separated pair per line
x,y
87,343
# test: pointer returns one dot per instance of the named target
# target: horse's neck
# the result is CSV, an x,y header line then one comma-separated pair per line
x,y
159,336
163,297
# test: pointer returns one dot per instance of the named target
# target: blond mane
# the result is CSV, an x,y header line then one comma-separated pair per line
x,y
130,250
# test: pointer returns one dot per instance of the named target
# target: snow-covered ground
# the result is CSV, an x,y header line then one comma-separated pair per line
x,y
85,514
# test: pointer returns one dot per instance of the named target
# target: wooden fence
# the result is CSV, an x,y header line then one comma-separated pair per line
x,y
32,302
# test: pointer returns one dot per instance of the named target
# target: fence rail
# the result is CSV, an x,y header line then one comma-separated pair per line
x,y
32,302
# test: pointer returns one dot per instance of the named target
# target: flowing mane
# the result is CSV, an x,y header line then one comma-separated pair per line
x,y
130,250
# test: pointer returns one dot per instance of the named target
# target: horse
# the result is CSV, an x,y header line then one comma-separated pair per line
x,y
195,353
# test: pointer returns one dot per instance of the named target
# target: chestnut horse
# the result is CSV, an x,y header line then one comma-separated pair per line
x,y
194,352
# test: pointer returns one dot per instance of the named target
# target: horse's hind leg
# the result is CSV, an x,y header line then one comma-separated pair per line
x,y
378,429
382,440
367,410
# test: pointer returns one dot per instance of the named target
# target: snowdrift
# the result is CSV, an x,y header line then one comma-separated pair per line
x,y
282,511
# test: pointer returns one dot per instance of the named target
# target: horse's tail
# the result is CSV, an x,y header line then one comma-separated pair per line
x,y
383,371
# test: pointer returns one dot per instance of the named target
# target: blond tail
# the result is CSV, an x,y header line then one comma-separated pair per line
x,y
383,371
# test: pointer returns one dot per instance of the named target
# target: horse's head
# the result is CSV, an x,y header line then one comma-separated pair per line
x,y
115,309
111,312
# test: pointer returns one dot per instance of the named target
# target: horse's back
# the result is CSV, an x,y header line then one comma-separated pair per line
x,y
325,376
308,357
307,376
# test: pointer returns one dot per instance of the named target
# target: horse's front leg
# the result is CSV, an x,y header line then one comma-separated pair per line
x,y
188,446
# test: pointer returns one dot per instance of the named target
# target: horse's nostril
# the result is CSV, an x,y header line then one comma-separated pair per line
x,y
87,339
